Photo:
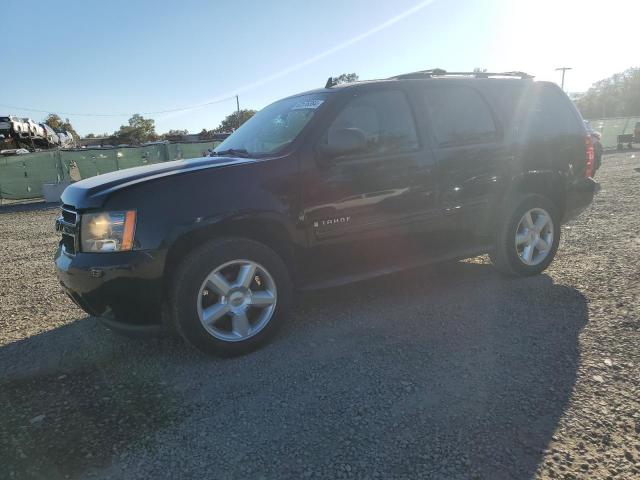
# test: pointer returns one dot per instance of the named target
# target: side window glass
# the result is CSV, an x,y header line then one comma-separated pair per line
x,y
459,115
382,119
549,115
537,112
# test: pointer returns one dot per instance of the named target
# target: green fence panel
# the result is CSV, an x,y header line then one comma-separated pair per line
x,y
14,183
22,176
136,157
70,161
192,150
128,157
178,151
106,161
172,151
81,162
610,128
92,162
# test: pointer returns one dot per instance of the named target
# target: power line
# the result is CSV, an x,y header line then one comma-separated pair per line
x,y
75,114
356,39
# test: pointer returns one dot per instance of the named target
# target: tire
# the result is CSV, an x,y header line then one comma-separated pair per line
x,y
218,313
513,237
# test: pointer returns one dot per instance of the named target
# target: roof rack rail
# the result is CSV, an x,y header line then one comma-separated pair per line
x,y
438,72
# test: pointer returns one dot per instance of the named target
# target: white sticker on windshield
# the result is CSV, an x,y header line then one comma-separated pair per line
x,y
308,105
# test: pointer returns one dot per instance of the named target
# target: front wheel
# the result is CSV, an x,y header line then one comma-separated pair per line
x,y
528,238
230,295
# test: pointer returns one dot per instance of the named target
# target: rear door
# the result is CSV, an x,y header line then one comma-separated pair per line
x,y
472,159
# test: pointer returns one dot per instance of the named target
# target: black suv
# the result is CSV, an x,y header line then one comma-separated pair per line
x,y
324,188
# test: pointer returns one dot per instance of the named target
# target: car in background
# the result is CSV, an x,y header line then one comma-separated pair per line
x,y
13,124
14,151
6,124
65,138
40,131
33,129
50,135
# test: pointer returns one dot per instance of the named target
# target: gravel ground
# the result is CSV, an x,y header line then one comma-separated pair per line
x,y
449,372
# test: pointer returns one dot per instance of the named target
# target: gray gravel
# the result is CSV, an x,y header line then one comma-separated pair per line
x,y
450,372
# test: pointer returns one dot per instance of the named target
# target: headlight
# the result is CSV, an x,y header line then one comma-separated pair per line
x,y
107,231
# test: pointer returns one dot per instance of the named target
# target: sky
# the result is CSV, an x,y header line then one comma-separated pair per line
x,y
99,62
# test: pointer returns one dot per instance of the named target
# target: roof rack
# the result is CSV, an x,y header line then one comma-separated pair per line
x,y
438,72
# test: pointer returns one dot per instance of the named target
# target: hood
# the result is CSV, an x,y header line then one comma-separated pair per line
x,y
92,192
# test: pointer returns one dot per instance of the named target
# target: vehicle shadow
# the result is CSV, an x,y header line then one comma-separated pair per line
x,y
445,372
480,367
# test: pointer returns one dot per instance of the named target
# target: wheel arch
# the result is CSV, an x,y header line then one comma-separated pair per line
x,y
263,229
551,185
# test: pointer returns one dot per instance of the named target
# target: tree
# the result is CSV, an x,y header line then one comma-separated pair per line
x,y
55,122
138,131
616,96
91,135
345,78
232,121
206,134
174,133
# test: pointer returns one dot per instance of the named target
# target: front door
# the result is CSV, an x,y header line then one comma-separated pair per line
x,y
367,207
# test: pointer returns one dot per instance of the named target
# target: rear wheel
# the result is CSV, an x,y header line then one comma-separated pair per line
x,y
528,238
229,296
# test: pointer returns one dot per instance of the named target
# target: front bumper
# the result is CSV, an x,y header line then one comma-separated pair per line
x,y
579,196
124,288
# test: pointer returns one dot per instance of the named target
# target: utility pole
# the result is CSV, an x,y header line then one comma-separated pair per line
x,y
564,69
238,109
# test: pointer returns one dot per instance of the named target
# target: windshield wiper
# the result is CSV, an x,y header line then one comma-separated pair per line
x,y
236,152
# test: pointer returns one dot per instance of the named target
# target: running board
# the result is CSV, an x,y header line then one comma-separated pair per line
x,y
409,265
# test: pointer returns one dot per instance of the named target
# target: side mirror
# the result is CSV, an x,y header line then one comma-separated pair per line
x,y
344,141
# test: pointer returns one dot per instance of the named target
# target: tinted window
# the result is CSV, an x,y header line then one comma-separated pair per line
x,y
459,115
537,110
384,118
549,114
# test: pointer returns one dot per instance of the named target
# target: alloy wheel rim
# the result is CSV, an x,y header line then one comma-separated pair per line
x,y
236,300
534,236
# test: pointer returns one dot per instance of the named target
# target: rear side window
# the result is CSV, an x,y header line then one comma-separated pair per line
x,y
538,111
459,115
550,114
384,117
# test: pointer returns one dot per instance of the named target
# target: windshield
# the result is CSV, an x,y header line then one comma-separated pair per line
x,y
274,126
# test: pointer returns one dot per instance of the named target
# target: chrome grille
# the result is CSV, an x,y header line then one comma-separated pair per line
x,y
69,216
67,224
